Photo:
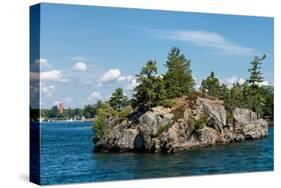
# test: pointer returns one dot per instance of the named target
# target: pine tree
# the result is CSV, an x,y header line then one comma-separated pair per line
x,y
211,85
150,90
118,100
178,79
255,73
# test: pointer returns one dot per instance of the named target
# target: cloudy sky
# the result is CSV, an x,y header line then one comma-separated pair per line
x,y
87,52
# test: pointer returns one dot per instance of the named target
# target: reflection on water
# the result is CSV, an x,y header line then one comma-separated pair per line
x,y
66,157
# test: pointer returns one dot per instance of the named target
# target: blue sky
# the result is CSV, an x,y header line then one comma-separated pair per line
x,y
87,52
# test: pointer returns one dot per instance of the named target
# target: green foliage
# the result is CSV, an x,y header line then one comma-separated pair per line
x,y
252,95
191,122
211,85
89,111
267,101
197,124
162,129
167,103
99,126
53,112
229,117
248,95
256,75
124,113
77,112
118,100
105,111
201,122
98,105
178,79
150,90
261,101
235,97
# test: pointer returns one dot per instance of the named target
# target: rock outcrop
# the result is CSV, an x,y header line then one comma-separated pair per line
x,y
248,124
215,111
181,128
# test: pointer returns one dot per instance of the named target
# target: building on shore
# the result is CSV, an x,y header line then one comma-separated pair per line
x,y
61,107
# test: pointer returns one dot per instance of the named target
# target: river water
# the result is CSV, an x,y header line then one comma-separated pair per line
x,y
67,157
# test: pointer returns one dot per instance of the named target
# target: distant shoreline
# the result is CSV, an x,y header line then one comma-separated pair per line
x,y
83,120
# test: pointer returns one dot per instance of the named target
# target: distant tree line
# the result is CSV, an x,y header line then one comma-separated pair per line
x,y
88,111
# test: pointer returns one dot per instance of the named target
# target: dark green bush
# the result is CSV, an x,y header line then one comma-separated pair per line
x,y
104,111
167,103
124,113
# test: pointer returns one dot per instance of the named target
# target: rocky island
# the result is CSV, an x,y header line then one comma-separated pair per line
x,y
167,113
191,123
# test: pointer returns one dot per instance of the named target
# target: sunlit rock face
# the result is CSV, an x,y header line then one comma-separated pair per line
x,y
185,126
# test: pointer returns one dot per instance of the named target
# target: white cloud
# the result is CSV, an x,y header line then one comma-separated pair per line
x,y
48,90
110,75
232,80
202,38
241,80
127,82
94,96
131,84
211,40
41,61
53,75
45,75
125,78
40,64
79,67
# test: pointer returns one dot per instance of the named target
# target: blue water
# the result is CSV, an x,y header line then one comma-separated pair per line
x,y
67,157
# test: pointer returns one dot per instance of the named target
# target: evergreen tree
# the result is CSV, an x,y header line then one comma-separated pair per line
x,y
268,104
97,106
211,86
150,90
89,111
178,79
118,100
256,75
